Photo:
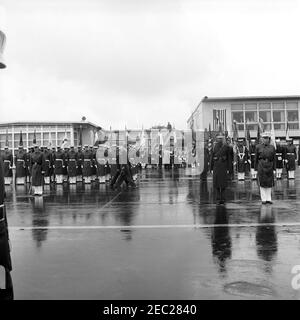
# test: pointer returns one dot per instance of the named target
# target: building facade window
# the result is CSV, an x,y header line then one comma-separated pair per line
x,y
264,106
251,116
265,116
238,116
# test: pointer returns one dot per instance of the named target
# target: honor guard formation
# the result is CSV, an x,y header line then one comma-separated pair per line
x,y
262,160
41,166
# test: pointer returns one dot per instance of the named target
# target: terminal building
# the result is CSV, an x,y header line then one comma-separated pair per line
x,y
279,111
46,133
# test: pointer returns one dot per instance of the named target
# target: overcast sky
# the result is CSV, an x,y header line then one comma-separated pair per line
x,y
138,62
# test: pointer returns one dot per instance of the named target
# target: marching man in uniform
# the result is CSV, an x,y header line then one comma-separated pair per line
x,y
280,159
20,163
8,163
252,148
290,159
242,159
265,164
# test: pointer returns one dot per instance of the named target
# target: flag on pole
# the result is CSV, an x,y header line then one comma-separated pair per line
x,y
174,136
6,140
143,139
21,139
287,136
80,136
65,141
34,137
161,140
260,129
235,131
248,136
273,138
49,140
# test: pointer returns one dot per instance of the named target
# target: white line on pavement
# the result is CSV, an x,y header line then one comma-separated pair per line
x,y
164,226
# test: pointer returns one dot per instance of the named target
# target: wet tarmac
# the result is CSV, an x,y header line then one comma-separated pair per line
x,y
166,239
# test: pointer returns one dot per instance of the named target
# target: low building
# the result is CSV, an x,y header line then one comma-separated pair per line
x,y
46,133
246,111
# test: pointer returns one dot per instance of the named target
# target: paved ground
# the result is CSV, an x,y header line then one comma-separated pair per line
x,y
164,240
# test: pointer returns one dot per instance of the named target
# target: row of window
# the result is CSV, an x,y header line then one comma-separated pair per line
x,y
266,116
265,106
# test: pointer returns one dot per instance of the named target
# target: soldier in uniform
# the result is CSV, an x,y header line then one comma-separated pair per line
x,y
242,159
65,169
52,175
265,164
252,149
291,155
48,165
231,152
59,164
37,165
72,167
220,165
79,164
87,165
8,163
280,159
93,168
28,154
20,164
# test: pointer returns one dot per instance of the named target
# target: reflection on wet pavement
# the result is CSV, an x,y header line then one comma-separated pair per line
x,y
88,242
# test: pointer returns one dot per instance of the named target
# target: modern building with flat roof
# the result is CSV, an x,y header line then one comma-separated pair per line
x,y
46,132
246,111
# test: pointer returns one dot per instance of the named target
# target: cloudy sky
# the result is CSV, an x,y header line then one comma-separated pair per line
x,y
138,62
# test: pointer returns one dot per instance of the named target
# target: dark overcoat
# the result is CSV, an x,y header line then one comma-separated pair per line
x,y
280,156
37,164
72,167
265,164
290,152
20,163
220,164
8,162
87,163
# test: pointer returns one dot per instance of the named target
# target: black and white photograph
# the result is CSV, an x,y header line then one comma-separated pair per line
x,y
149,150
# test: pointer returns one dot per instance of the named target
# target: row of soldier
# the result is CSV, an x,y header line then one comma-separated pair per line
x,y
57,165
244,158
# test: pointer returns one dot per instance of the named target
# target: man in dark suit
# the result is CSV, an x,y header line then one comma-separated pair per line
x,y
220,165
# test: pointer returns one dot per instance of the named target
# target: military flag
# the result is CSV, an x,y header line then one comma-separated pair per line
x,y
248,136
49,140
80,135
235,131
34,137
6,140
287,136
273,135
21,139
161,139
